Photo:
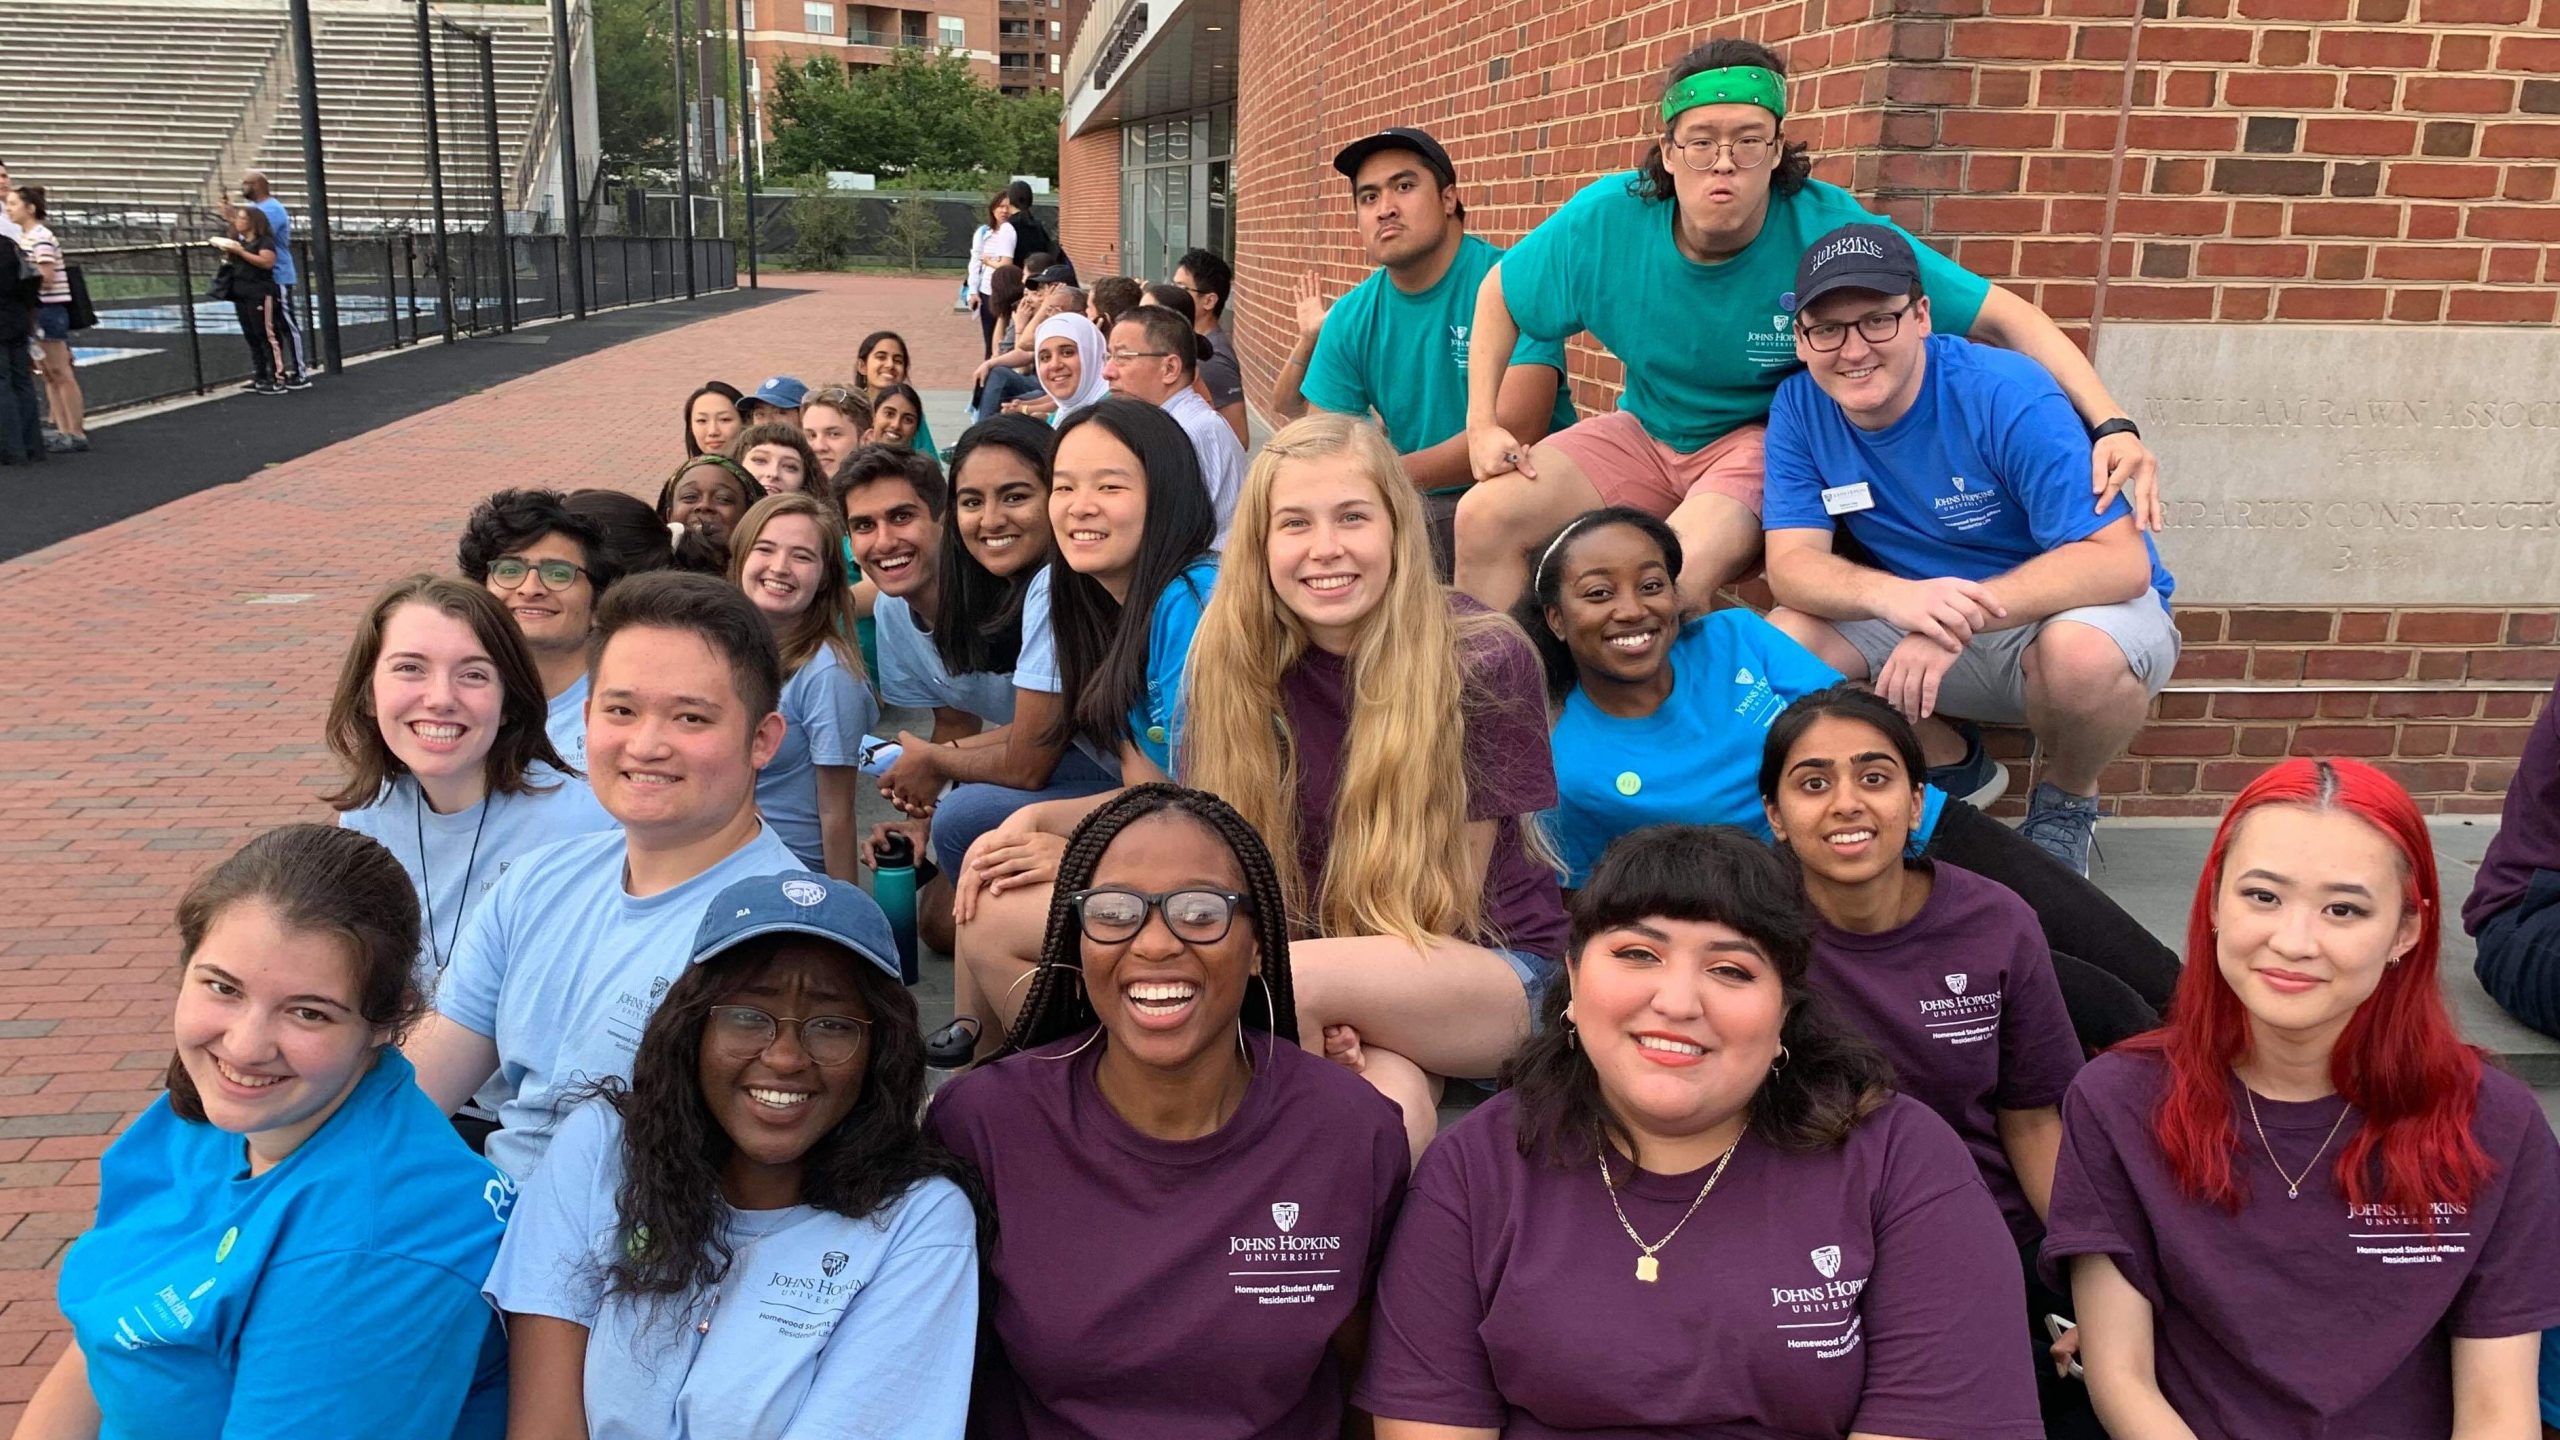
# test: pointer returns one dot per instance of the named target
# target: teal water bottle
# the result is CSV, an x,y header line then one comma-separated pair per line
x,y
893,884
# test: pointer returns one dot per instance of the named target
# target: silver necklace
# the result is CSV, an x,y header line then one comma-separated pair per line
x,y
2292,1183
1649,1269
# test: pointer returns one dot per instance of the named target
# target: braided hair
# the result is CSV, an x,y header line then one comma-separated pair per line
x,y
1058,1005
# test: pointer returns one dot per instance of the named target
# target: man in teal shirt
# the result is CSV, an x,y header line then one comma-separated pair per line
x,y
1684,270
1397,344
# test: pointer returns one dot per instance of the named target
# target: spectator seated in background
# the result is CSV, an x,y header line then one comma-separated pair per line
x,y
776,399
549,568
1111,297
1067,356
2512,910
1008,376
2005,595
881,364
1206,278
1154,357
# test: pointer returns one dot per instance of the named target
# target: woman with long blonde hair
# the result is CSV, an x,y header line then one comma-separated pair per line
x,y
1386,738
784,557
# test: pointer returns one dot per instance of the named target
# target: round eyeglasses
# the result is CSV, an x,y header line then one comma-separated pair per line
x,y
1749,153
1111,914
509,573
743,1032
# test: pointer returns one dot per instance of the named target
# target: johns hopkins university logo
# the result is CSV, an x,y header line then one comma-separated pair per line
x,y
1284,1213
1827,1260
1956,984
804,893
833,1263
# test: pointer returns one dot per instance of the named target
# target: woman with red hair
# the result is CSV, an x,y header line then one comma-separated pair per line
x,y
2305,1208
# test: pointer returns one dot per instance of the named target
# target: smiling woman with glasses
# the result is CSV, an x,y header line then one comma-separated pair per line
x,y
1188,1206
753,1237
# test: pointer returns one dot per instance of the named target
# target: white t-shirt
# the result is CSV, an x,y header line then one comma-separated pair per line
x,y
997,248
1221,458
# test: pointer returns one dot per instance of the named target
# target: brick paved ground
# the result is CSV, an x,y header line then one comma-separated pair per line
x,y
169,674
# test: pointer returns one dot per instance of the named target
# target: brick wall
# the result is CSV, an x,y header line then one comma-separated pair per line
x,y
1089,202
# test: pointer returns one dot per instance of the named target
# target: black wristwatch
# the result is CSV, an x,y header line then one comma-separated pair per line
x,y
2118,426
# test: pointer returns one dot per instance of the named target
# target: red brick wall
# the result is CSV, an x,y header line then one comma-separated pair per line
x,y
1089,202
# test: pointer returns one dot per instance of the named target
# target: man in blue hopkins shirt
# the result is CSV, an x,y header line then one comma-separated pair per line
x,y
254,188
2004,594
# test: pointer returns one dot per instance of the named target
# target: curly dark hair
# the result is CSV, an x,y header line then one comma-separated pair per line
x,y
1831,1080
1058,1006
1795,158
979,627
510,520
1546,586
670,1207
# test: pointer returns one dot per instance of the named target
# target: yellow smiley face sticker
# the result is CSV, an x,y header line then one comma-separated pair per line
x,y
1629,782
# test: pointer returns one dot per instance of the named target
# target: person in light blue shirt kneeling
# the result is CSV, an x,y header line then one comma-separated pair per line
x,y
753,1237
291,1241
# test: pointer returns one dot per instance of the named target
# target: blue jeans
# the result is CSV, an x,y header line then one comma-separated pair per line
x,y
2519,959
1002,385
966,812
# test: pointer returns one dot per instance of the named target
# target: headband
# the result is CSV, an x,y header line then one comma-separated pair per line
x,y
1734,84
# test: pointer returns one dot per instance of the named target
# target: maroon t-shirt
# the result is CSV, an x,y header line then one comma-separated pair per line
x,y
2528,837
1167,1290
1963,1001
1510,773
1867,1287
2305,1318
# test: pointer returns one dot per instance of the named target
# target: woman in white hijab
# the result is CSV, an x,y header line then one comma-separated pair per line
x,y
1066,354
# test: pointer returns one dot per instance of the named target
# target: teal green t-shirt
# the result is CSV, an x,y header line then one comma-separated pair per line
x,y
1405,356
924,438
1704,346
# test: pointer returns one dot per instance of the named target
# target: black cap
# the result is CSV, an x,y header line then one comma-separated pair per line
x,y
1856,257
1061,274
1349,158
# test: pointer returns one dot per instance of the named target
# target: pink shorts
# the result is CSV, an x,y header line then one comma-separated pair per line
x,y
1629,467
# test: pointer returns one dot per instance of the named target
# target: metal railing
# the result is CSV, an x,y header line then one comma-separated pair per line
x,y
159,334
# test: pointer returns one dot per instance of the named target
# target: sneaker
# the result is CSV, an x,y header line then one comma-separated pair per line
x,y
297,382
2061,825
57,443
266,387
1977,779
248,385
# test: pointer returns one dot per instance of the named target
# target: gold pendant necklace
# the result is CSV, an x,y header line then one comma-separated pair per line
x,y
2292,1183
1649,1269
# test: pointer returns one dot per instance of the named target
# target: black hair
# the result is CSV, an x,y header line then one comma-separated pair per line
x,y
1546,586
627,527
1167,330
1058,1005
737,399
34,196
512,519
900,391
1004,288
870,342
323,879
1102,643
1209,272
1019,192
978,629
881,461
1828,1080
1794,163
1114,296
1170,296
671,1214
710,608
1846,701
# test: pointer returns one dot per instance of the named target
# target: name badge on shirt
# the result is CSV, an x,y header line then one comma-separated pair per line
x,y
1848,499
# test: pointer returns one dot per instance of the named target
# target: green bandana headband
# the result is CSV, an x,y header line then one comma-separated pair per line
x,y
1735,84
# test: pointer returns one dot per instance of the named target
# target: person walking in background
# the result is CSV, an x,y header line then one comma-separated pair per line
x,y
254,189
247,280
21,438
25,208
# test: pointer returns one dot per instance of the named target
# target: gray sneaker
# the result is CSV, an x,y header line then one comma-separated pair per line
x,y
2061,825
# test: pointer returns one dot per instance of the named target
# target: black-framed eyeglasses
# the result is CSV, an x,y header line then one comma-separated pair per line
x,y
1111,914
509,572
743,1032
1749,153
1874,329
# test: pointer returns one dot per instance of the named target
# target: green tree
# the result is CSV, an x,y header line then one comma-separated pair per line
x,y
922,116
635,86
915,230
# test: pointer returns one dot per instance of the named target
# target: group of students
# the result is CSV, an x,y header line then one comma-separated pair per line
x,y
1257,844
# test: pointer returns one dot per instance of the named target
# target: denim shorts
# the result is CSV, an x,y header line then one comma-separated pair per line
x,y
53,322
1536,973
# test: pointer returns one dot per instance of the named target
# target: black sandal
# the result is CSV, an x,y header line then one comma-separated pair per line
x,y
954,1045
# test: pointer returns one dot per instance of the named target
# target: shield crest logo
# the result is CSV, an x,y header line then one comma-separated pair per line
x,y
1827,1260
804,893
1956,983
1743,676
833,1263
1284,1213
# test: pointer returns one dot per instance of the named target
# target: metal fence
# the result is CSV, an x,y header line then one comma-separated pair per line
x,y
159,334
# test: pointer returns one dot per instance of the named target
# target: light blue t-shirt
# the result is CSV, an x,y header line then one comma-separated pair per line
x,y
1988,469
823,1327
455,860
567,725
336,1294
1035,665
912,673
282,224
563,967
1696,759
1704,346
826,710
1156,718
1405,356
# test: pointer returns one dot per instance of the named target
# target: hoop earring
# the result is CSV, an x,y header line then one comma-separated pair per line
x,y
1783,1058
1271,1030
1087,1045
1076,971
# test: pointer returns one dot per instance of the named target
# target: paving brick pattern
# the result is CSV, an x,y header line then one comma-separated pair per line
x,y
170,673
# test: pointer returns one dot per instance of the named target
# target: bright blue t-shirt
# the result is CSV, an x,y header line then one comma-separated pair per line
x,y
1156,718
1704,345
567,723
282,224
1696,759
1988,469
1405,356
455,860
912,674
336,1294
563,967
822,1325
826,710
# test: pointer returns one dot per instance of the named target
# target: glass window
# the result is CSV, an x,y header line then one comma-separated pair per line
x,y
747,15
1057,30
816,18
955,32
1053,62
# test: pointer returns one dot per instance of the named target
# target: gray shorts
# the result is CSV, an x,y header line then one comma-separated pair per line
x,y
1988,682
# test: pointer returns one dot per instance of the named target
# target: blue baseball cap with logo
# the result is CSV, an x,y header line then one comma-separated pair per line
x,y
1856,257
782,392
797,903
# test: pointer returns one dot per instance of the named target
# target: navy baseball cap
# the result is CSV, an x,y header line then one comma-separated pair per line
x,y
782,392
1348,160
797,903
1856,257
